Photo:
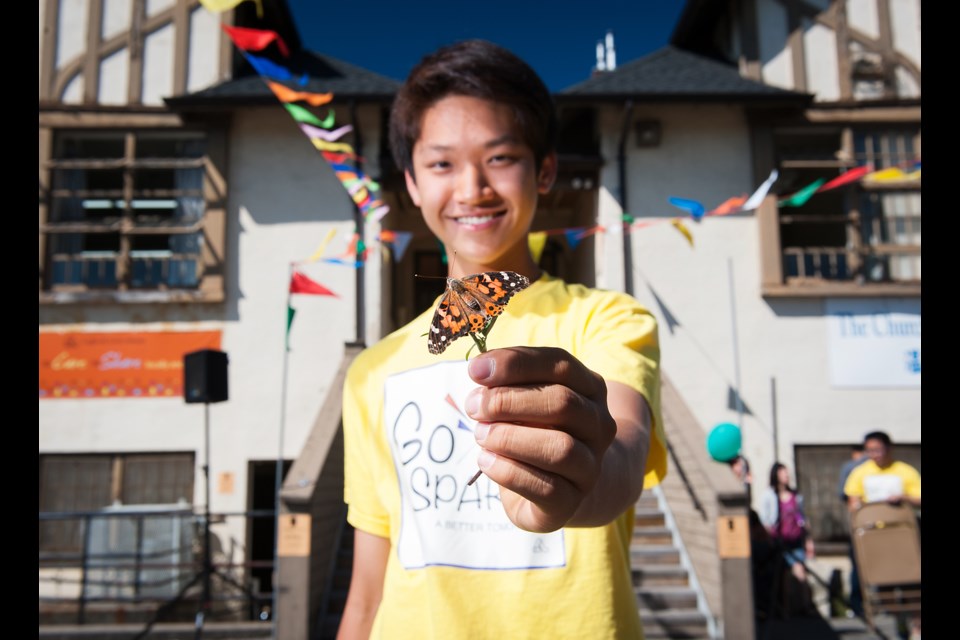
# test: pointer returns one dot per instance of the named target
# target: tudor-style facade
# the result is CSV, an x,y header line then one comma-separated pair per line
x,y
175,196
765,302
176,192
861,62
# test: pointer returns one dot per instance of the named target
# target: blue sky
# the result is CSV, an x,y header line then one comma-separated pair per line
x,y
557,38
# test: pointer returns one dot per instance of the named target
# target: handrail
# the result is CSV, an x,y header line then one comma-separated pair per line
x,y
331,570
129,570
678,467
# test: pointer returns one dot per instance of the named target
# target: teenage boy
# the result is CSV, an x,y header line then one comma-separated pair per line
x,y
562,414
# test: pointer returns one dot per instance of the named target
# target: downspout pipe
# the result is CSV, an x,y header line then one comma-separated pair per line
x,y
622,178
358,222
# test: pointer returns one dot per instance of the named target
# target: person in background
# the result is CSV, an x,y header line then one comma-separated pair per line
x,y
857,457
882,478
741,469
781,512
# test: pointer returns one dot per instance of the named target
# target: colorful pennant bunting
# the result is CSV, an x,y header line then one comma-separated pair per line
x,y
800,198
300,283
255,39
285,94
695,208
219,6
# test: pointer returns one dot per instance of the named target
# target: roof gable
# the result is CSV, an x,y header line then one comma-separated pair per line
x,y
672,73
324,74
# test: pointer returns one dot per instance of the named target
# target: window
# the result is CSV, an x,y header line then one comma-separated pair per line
x,y
864,233
92,482
125,212
890,214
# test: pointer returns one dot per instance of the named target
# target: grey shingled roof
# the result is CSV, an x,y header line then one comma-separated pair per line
x,y
674,74
325,74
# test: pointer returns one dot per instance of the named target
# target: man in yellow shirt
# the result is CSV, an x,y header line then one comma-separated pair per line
x,y
882,478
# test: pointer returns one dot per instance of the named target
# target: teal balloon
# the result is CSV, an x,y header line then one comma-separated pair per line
x,y
723,442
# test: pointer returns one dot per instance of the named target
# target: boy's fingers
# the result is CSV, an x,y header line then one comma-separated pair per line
x,y
551,406
549,451
536,365
534,499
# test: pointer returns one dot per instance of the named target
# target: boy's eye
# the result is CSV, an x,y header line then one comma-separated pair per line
x,y
439,164
501,158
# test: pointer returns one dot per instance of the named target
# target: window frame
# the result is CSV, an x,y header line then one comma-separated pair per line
x,y
211,225
122,476
847,264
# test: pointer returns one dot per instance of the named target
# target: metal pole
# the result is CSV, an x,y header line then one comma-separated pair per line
x,y
736,348
622,177
773,402
278,474
207,560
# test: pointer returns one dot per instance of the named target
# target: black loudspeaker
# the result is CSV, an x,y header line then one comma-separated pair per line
x,y
205,376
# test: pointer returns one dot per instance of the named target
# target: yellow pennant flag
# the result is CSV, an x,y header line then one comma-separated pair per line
x,y
678,224
323,246
537,241
219,6
323,145
893,174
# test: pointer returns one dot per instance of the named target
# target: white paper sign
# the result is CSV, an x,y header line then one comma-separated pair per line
x,y
874,343
444,521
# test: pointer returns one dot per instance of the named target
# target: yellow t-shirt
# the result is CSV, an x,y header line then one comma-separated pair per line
x,y
870,483
458,568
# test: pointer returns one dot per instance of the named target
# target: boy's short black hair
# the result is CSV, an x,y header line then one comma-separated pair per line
x,y
878,435
479,69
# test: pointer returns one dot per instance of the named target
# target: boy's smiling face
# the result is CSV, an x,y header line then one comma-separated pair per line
x,y
477,184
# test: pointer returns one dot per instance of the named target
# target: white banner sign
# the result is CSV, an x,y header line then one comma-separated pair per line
x,y
874,343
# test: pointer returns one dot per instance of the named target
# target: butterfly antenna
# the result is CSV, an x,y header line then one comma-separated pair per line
x,y
417,275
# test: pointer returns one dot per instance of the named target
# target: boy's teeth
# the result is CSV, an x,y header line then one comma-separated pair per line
x,y
474,219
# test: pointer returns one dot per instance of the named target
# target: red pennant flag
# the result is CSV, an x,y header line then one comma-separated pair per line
x,y
847,177
255,39
300,283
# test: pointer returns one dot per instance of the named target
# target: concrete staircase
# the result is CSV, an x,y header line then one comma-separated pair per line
x,y
666,593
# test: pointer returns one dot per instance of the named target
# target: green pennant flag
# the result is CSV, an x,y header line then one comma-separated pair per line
x,y
800,197
301,114
290,313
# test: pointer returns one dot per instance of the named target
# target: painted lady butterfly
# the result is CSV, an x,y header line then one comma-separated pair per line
x,y
470,303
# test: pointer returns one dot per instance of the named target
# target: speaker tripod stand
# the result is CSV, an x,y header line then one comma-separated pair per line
x,y
204,380
207,571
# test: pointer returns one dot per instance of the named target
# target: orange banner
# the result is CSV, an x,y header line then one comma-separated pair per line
x,y
117,365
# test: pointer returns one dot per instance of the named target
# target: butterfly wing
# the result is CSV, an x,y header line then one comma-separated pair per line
x,y
449,322
469,303
493,289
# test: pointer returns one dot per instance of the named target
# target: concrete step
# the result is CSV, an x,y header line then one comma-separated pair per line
x,y
654,554
648,501
661,576
652,535
649,518
681,623
162,631
663,598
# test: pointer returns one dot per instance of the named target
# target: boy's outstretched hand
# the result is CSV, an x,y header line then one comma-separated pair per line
x,y
566,448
